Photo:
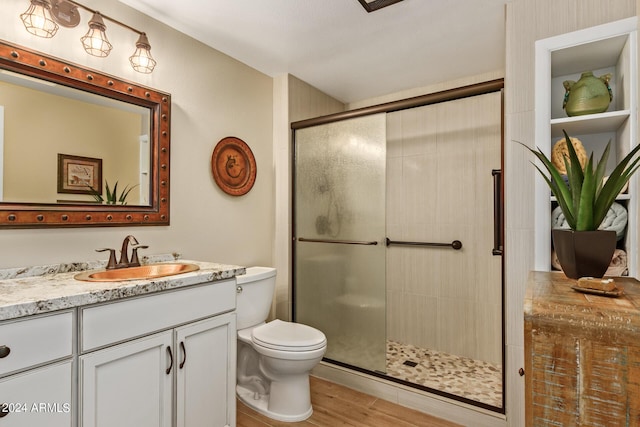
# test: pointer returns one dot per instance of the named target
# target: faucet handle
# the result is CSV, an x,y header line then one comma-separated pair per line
x,y
135,262
111,264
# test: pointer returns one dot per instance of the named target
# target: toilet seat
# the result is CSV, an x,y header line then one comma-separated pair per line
x,y
288,336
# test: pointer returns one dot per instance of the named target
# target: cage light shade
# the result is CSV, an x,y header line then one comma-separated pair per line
x,y
95,42
38,21
141,60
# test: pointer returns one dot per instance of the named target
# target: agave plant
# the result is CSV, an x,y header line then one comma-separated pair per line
x,y
585,198
112,196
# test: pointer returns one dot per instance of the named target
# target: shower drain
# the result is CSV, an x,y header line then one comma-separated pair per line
x,y
410,363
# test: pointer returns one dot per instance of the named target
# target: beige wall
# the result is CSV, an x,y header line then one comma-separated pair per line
x,y
213,96
528,21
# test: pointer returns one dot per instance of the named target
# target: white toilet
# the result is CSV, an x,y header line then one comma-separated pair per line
x,y
275,358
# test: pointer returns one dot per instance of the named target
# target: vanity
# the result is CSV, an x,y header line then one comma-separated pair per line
x,y
158,351
137,353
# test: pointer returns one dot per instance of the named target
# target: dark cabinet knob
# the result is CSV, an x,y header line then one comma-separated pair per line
x,y
4,351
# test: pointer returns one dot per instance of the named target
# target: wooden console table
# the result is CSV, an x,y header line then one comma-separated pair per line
x,y
582,354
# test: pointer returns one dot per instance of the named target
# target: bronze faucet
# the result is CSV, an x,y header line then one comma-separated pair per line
x,y
124,254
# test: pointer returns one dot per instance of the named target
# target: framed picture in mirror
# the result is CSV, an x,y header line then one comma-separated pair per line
x,y
79,175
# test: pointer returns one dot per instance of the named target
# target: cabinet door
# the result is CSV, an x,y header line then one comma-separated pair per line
x,y
37,398
127,385
206,373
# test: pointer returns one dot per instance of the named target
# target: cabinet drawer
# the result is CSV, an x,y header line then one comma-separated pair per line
x,y
36,340
39,397
119,321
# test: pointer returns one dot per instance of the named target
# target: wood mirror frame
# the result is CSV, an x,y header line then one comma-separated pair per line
x,y
36,215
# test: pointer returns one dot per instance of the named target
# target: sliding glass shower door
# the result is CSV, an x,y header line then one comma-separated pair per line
x,y
397,236
339,230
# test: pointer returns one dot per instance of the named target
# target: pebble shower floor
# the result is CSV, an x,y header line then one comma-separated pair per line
x,y
461,376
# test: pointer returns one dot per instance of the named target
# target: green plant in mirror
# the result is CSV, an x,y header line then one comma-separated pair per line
x,y
113,198
585,197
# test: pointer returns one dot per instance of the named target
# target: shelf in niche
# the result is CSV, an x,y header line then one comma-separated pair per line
x,y
588,56
588,124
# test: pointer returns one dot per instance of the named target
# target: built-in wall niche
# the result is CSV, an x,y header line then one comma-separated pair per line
x,y
609,55
609,48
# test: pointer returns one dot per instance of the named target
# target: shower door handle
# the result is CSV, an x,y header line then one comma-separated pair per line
x,y
340,242
498,247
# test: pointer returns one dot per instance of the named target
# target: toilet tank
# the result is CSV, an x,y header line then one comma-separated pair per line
x,y
253,303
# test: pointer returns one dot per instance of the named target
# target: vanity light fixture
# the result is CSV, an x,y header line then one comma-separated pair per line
x,y
141,60
38,20
95,42
44,17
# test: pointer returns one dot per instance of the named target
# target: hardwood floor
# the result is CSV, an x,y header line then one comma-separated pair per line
x,y
335,405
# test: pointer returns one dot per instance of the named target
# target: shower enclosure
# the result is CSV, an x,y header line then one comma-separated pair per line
x,y
397,241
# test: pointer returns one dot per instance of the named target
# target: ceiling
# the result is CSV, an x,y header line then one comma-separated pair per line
x,y
339,48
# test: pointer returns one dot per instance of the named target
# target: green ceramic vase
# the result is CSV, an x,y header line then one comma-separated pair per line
x,y
589,95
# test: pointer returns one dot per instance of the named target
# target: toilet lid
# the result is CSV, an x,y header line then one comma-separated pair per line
x,y
288,336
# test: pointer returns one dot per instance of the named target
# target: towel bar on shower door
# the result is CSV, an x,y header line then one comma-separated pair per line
x,y
341,242
456,244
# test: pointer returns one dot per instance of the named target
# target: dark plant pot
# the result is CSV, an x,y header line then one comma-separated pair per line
x,y
584,253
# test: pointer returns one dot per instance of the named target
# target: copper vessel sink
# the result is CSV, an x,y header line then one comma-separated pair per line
x,y
142,272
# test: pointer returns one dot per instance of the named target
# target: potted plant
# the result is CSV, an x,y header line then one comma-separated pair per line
x,y
112,196
585,198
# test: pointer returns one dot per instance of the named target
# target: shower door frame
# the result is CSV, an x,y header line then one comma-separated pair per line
x,y
483,88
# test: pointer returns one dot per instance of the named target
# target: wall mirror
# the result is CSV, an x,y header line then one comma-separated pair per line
x,y
69,132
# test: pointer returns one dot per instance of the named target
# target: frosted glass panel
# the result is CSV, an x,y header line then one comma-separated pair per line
x,y
340,206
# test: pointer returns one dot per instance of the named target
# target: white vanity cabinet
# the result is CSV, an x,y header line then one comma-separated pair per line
x,y
36,371
160,360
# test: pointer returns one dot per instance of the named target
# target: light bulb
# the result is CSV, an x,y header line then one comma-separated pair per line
x,y
95,42
141,60
38,21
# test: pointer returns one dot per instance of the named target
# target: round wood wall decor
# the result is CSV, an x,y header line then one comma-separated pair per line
x,y
233,166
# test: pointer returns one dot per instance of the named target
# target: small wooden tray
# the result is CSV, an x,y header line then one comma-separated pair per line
x,y
612,293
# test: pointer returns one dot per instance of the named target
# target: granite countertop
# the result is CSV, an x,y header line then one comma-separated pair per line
x,y
42,289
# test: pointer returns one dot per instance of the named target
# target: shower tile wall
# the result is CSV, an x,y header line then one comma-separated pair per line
x,y
439,189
